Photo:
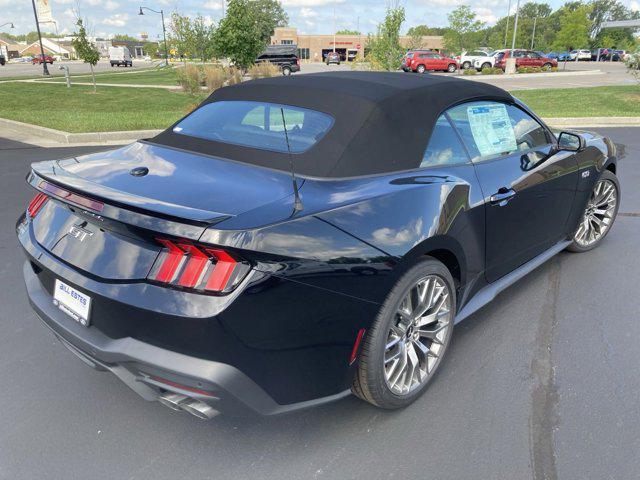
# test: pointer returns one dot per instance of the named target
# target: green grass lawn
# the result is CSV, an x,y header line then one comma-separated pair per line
x,y
618,101
154,76
78,109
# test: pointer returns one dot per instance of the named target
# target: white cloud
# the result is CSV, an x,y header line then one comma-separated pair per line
x,y
59,2
485,15
310,3
117,20
634,6
110,5
213,5
306,12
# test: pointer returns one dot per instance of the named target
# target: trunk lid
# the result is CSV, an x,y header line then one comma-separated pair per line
x,y
141,192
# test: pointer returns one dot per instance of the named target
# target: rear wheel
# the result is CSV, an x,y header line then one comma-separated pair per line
x,y
599,214
452,68
466,65
403,349
486,65
286,71
546,66
421,69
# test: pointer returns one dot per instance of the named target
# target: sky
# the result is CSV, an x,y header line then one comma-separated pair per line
x,y
108,17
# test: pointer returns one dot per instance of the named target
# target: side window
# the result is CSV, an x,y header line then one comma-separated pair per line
x,y
444,146
493,129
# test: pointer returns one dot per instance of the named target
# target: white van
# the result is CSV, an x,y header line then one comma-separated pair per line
x,y
120,56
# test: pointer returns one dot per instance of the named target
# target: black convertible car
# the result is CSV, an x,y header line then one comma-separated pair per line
x,y
294,240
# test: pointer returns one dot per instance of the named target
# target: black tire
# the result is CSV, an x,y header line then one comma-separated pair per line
x,y
452,68
546,66
369,383
575,246
466,65
421,69
485,65
286,71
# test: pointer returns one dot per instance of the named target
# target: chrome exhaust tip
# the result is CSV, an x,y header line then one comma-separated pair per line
x,y
199,409
174,401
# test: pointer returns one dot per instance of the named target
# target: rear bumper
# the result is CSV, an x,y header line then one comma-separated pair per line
x,y
140,365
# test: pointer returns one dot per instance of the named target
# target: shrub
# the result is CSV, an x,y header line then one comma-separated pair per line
x,y
214,77
469,71
487,71
263,70
189,78
536,70
234,76
553,69
497,71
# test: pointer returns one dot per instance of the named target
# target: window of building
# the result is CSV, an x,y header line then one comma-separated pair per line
x,y
303,53
286,42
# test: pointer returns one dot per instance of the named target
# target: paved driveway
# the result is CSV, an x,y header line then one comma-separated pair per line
x,y
542,383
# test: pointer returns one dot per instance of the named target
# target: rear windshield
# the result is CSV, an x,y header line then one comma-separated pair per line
x,y
410,55
257,125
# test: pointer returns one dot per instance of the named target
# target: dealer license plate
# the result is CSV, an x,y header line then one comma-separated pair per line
x,y
72,302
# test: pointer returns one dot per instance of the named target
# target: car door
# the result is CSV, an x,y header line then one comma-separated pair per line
x,y
432,61
528,184
533,59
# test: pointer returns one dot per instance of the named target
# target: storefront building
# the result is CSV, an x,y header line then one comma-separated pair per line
x,y
314,47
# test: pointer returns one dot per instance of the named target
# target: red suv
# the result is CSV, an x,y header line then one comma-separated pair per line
x,y
423,61
42,59
525,58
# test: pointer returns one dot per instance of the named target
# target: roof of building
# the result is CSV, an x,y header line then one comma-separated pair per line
x,y
382,121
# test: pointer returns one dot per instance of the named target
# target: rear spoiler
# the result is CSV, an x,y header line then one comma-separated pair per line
x,y
103,202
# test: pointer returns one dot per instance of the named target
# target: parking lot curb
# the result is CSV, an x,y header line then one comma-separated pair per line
x,y
43,135
66,138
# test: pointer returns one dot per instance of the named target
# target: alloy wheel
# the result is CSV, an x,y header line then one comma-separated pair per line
x,y
418,336
599,214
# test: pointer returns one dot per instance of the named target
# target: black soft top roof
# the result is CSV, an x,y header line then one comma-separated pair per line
x,y
383,121
279,50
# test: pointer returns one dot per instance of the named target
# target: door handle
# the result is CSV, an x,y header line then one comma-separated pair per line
x,y
502,197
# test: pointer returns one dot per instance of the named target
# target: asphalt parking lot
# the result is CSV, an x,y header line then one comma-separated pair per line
x,y
542,384
11,70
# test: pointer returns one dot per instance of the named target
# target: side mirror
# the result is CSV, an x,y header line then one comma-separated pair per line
x,y
571,142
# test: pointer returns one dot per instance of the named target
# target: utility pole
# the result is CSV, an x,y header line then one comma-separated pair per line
x,y
533,35
506,30
45,70
334,26
515,26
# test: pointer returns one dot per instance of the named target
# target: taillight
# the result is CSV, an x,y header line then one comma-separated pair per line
x,y
68,196
197,267
36,204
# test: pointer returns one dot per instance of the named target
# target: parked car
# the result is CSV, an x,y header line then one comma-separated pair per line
x,y
564,56
468,59
552,55
2,60
285,57
488,62
172,262
40,59
579,55
408,57
525,58
120,57
332,57
27,59
425,61
622,55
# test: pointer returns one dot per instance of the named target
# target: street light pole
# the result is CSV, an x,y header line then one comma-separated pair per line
x,y
45,70
506,30
515,26
533,35
8,23
334,26
164,31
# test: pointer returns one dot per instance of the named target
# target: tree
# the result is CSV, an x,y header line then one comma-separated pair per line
x,y
346,31
463,29
192,37
238,36
269,14
385,50
85,50
574,28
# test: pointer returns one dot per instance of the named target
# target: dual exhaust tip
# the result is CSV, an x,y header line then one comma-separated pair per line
x,y
179,402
